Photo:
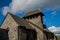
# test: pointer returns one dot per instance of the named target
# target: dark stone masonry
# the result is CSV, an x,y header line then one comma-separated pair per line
x,y
30,27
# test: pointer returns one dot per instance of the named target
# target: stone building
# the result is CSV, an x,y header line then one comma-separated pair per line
x,y
30,27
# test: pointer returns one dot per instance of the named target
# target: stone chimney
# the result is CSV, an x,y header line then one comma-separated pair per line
x,y
35,17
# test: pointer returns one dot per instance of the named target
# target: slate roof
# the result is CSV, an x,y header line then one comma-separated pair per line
x,y
45,30
25,23
33,12
21,21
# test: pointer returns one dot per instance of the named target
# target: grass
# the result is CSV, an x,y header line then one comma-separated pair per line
x,y
58,37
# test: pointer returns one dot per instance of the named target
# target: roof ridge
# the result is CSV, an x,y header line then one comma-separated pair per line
x,y
38,26
16,18
33,12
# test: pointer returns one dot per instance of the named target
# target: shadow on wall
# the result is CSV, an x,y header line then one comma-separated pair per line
x,y
4,34
27,34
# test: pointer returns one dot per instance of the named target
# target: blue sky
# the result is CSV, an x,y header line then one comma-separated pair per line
x,y
2,4
50,18
51,10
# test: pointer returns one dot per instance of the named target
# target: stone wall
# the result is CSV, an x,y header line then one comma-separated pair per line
x,y
14,33
36,20
22,35
40,35
12,26
26,34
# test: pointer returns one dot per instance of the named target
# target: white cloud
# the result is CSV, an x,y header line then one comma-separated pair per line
x,y
55,30
53,3
5,10
25,5
22,5
54,13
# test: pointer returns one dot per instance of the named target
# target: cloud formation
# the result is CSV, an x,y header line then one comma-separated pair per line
x,y
17,6
22,5
55,30
5,10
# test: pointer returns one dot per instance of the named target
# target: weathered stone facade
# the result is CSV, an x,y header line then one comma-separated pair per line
x,y
30,27
10,25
